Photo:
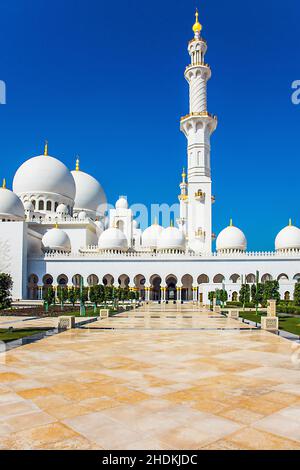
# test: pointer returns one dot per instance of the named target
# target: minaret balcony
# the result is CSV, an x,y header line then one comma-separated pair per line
x,y
213,199
213,236
200,196
200,234
183,197
202,114
197,64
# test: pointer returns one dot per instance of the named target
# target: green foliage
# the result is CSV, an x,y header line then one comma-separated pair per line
x,y
288,307
49,295
234,304
223,296
297,294
245,294
85,294
73,295
97,294
271,291
6,284
257,293
62,294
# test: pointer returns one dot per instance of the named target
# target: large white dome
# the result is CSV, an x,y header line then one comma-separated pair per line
x,y
231,239
90,196
44,175
56,240
288,238
171,238
151,235
11,206
113,239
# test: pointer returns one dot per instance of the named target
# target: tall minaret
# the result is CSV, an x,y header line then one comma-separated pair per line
x,y
198,126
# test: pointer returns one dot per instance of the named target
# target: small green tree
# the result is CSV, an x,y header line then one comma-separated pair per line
x,y
73,295
271,291
297,294
211,296
49,295
108,293
257,293
6,285
245,294
97,294
62,294
223,296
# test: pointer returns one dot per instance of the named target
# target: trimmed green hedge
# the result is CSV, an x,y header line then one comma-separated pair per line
x,y
288,308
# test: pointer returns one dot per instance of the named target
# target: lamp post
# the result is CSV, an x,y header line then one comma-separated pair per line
x,y
82,306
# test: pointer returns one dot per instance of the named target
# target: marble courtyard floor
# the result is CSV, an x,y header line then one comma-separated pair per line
x,y
156,378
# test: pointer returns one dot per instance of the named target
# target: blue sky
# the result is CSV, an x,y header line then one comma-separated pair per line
x,y
105,80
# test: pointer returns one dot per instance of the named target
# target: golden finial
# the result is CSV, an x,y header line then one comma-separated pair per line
x,y
77,163
197,27
46,149
231,223
183,175
4,183
290,222
172,223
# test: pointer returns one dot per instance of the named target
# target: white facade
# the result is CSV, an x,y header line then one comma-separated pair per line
x,y
54,227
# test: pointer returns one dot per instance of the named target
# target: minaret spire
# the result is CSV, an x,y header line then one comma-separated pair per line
x,y
197,126
46,148
197,27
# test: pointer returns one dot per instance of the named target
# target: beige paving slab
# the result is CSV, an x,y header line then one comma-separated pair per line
x,y
196,381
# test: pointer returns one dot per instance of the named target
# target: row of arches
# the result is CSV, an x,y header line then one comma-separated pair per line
x,y
124,279
46,205
155,287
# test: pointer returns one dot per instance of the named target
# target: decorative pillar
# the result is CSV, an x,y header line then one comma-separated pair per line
x,y
179,289
147,294
195,294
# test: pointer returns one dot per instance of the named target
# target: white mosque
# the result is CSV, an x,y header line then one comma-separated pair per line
x,y
55,229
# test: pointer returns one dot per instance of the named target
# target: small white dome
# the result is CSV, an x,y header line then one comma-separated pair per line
x,y
89,196
11,206
113,239
151,235
82,215
44,174
171,238
56,240
62,210
231,239
28,206
122,203
288,239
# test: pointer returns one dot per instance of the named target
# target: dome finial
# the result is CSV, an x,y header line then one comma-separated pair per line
x,y
4,183
77,163
290,222
197,27
183,175
46,148
172,223
231,223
